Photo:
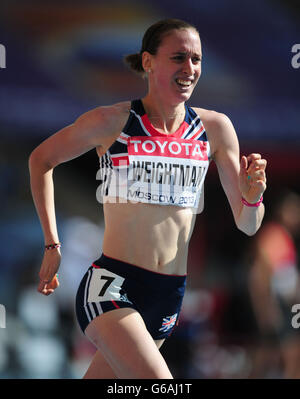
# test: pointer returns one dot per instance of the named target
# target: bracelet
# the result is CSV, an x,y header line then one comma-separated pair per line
x,y
53,246
256,204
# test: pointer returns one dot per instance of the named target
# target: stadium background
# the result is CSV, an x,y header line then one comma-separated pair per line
x,y
64,58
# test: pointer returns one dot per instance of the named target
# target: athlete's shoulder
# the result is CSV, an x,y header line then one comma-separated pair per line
x,y
107,118
219,129
111,113
120,108
212,119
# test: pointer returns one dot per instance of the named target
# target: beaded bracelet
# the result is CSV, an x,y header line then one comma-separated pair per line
x,y
256,204
53,246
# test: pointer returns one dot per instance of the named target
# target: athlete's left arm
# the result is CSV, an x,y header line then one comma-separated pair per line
x,y
243,177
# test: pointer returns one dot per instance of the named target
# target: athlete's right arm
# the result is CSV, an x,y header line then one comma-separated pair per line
x,y
97,128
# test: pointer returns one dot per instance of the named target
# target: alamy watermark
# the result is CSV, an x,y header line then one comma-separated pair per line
x,y
296,58
2,56
2,316
296,318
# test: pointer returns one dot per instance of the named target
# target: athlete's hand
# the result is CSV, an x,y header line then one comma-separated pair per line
x,y
48,278
252,177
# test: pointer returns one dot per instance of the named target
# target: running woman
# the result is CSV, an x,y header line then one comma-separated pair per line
x,y
154,154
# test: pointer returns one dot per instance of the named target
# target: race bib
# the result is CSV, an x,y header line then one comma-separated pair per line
x,y
104,286
165,170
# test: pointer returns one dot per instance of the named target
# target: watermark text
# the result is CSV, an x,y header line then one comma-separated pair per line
x,y
296,318
296,58
2,316
2,56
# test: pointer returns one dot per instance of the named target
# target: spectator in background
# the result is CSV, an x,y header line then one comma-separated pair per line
x,y
274,286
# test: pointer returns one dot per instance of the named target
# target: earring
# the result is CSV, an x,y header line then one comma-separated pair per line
x,y
149,70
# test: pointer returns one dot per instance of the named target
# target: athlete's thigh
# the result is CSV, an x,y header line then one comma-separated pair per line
x,y
100,369
159,342
126,344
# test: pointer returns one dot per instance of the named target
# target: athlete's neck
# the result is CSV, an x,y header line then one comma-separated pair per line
x,y
166,117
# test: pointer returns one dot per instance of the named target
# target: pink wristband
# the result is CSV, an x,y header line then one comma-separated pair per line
x,y
255,205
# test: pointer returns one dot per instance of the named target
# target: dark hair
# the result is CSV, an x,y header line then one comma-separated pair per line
x,y
152,40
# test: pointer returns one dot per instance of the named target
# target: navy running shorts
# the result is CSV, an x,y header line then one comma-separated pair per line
x,y
111,284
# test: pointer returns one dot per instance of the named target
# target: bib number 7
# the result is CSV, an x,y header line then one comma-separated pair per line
x,y
104,286
109,280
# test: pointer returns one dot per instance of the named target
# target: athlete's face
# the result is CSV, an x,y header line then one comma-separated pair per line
x,y
176,67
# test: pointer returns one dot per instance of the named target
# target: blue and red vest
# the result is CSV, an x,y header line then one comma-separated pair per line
x,y
144,165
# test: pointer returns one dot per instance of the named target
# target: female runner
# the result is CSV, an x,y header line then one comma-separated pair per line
x,y
154,153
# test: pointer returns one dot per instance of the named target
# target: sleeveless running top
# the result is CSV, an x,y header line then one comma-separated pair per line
x,y
144,165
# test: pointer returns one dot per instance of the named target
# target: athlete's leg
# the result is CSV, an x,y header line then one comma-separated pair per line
x,y
159,342
100,369
126,345
290,349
